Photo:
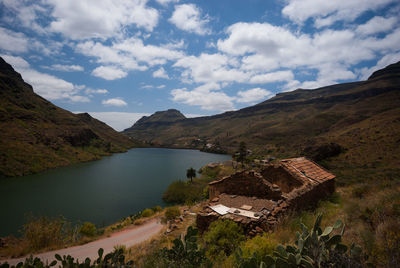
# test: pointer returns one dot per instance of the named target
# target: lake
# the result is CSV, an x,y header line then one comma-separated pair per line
x,y
102,191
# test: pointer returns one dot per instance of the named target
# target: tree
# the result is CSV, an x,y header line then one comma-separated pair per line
x,y
191,173
242,153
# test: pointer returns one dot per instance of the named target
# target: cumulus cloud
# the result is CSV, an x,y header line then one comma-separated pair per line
x,y
204,96
66,68
207,68
264,47
119,102
166,2
253,95
96,91
13,41
25,14
188,17
326,13
80,19
48,86
109,72
129,54
272,77
377,25
160,73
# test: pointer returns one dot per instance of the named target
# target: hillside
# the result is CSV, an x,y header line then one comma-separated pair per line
x,y
361,119
37,135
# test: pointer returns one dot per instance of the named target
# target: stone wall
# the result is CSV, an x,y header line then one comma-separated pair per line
x,y
246,183
279,176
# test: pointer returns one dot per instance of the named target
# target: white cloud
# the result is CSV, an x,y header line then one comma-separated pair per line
x,y
166,2
118,120
161,86
77,19
108,55
149,54
22,13
377,25
160,73
188,17
17,63
12,41
96,91
109,72
207,100
48,86
272,77
326,13
129,54
253,95
263,47
119,102
208,68
66,68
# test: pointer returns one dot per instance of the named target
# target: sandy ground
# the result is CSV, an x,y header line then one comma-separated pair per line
x,y
128,237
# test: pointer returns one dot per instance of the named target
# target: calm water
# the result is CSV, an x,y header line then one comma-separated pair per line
x,y
101,191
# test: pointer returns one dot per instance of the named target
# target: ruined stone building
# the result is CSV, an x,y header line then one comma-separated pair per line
x,y
257,200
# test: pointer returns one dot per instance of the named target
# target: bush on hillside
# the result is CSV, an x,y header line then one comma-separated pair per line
x,y
180,192
172,213
45,232
156,209
147,213
222,238
88,229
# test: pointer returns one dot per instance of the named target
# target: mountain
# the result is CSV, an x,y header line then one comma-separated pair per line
x,y
37,135
359,120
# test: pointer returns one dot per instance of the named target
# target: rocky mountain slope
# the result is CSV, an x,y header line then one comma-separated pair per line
x,y
36,135
360,120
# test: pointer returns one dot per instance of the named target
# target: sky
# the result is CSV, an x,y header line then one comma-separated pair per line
x,y
119,60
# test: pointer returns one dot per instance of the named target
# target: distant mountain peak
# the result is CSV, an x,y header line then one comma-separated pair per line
x,y
170,115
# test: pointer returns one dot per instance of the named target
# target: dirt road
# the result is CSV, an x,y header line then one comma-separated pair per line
x,y
128,237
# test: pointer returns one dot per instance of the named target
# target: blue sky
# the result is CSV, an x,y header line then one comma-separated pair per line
x,y
120,60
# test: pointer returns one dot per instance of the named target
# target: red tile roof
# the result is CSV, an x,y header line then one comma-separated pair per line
x,y
306,170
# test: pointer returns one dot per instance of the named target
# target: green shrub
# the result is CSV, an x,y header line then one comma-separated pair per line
x,y
222,238
261,245
147,213
172,213
88,229
156,209
313,248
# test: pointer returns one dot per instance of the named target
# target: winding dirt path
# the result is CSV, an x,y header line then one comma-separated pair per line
x,y
128,237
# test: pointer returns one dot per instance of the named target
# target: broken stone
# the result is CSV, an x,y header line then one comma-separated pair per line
x,y
259,230
246,207
215,199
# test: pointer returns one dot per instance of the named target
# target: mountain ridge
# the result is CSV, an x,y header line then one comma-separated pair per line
x,y
37,135
290,123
